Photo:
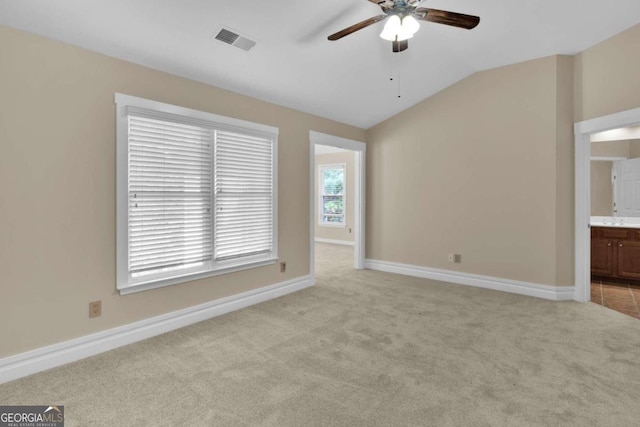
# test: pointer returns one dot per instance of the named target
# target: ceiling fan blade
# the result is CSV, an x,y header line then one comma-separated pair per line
x,y
356,27
384,4
459,20
400,46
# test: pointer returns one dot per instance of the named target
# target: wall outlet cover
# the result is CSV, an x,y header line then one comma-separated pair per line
x,y
95,308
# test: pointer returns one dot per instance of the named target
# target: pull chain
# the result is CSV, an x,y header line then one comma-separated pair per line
x,y
394,76
391,67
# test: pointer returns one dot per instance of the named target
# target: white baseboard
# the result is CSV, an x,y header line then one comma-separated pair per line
x,y
31,362
554,293
335,242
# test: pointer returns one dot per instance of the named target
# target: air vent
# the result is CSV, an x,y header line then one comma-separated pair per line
x,y
234,39
227,36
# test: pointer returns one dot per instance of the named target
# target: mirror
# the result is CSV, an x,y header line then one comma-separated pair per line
x,y
615,178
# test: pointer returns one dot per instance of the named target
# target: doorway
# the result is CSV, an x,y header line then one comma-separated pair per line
x,y
615,220
342,229
583,134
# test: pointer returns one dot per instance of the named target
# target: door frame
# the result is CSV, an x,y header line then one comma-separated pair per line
x,y
360,149
583,131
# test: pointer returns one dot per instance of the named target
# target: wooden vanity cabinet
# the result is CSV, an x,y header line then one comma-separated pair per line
x,y
601,257
629,260
615,252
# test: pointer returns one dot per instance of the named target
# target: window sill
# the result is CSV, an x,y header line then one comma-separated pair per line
x,y
328,224
160,283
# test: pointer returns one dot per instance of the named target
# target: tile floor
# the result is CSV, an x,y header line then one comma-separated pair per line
x,y
622,297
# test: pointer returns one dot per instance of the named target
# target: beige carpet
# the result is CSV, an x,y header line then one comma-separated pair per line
x,y
365,348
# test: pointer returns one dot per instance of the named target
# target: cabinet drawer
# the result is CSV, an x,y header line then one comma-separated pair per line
x,y
616,233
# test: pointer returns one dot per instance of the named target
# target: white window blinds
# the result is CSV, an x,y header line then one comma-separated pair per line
x,y
169,196
243,195
196,194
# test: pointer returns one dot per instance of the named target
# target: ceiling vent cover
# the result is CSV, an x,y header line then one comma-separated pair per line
x,y
234,39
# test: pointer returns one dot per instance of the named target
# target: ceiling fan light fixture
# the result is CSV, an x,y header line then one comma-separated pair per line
x,y
410,25
403,19
397,29
391,28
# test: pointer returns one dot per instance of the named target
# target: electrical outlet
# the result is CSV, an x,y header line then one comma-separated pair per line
x,y
456,258
95,308
283,267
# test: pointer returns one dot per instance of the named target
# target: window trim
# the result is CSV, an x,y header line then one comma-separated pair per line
x,y
322,167
123,284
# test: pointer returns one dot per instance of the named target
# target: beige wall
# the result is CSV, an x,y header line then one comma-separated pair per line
x,y
629,149
610,149
489,162
481,160
492,160
564,172
606,76
57,189
337,233
634,148
601,188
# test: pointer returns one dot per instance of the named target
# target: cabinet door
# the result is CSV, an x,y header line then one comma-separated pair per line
x,y
602,257
629,259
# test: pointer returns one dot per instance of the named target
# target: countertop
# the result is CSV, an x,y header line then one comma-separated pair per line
x,y
615,222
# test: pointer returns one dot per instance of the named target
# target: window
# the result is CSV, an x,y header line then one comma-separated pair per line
x,y
196,194
332,192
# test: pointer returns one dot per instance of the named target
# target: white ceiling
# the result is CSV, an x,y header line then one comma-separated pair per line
x,y
294,65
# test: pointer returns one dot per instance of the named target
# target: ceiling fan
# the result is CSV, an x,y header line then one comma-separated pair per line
x,y
402,24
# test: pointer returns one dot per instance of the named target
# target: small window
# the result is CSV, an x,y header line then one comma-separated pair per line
x,y
332,195
196,194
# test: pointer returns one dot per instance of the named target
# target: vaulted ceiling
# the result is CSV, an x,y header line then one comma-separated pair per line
x,y
293,64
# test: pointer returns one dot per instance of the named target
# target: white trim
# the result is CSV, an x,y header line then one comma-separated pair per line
x,y
607,159
626,133
161,283
276,173
582,208
122,193
497,284
359,208
312,207
123,100
31,362
336,141
360,149
612,121
328,224
583,131
334,242
124,284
